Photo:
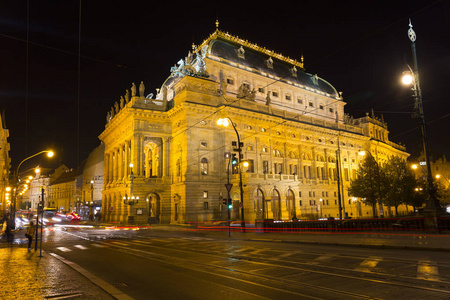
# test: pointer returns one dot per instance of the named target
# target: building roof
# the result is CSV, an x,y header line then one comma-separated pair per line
x,y
244,53
66,176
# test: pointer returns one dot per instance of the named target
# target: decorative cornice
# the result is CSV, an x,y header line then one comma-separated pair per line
x,y
235,39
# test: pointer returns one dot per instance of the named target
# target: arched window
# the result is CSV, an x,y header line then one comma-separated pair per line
x,y
290,205
204,166
276,205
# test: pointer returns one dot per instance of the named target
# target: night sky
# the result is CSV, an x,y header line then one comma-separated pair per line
x,y
359,47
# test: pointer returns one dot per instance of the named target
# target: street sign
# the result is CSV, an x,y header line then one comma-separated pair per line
x,y
228,186
423,163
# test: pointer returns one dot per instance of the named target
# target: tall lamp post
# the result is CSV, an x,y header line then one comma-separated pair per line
x,y
411,77
16,175
225,122
380,199
131,200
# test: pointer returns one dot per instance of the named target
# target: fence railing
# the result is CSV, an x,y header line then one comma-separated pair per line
x,y
413,224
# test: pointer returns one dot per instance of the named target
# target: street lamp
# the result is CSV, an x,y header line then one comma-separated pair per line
x,y
380,200
225,122
131,200
50,153
411,77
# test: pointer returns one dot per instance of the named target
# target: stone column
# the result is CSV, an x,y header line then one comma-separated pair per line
x,y
127,163
142,156
120,163
105,169
134,152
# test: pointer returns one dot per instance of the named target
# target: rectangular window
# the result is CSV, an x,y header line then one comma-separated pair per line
x,y
205,194
278,168
300,100
247,85
205,205
251,168
331,110
288,97
311,104
300,202
274,94
265,166
299,194
261,90
321,107
346,174
230,81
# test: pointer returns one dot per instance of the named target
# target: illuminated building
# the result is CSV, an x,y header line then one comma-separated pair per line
x,y
168,151
5,165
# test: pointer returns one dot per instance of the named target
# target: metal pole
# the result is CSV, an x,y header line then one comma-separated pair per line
x,y
433,202
42,221
338,182
240,176
228,197
37,226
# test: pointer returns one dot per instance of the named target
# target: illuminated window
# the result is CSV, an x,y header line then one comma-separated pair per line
x,y
204,166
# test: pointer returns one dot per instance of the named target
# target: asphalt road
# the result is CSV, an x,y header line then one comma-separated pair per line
x,y
150,264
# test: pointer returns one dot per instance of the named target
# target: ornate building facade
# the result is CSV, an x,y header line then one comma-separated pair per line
x,y
5,165
169,152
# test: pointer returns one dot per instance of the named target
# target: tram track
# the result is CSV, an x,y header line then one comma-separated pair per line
x,y
193,259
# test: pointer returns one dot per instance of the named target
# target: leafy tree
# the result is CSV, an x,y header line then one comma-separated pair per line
x,y
399,183
367,183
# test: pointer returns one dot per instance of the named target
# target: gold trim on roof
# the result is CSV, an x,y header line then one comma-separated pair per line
x,y
245,43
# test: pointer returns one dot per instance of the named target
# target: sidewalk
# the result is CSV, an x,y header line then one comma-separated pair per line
x,y
25,275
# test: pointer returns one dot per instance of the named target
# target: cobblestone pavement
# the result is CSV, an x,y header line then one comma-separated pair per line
x,y
25,275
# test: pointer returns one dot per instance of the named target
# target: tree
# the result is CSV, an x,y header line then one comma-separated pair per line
x,y
399,183
367,183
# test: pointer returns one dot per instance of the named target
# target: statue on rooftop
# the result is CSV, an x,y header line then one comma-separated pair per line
x,y
121,102
112,112
127,96
268,99
108,117
133,90
141,89
116,105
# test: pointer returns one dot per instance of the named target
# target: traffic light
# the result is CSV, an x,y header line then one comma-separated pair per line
x,y
234,160
230,204
224,201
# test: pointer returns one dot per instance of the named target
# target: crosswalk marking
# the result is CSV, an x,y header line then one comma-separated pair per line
x,y
120,243
427,270
80,247
287,254
244,249
142,242
63,249
369,264
327,256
